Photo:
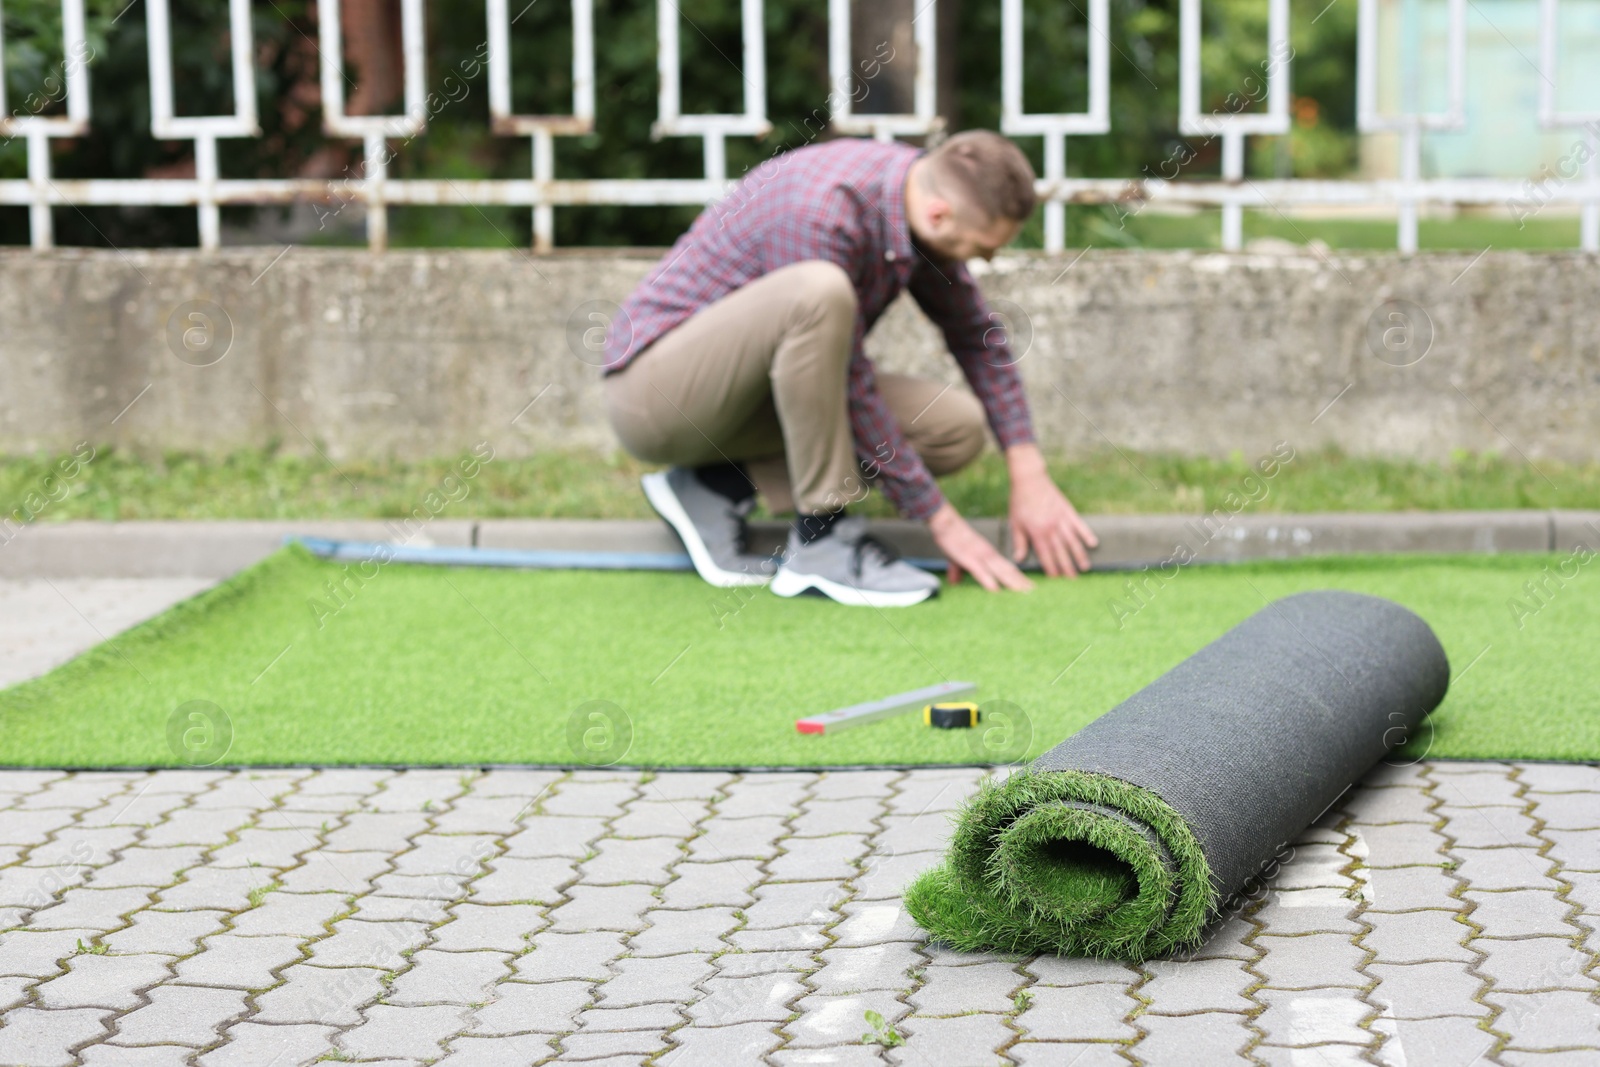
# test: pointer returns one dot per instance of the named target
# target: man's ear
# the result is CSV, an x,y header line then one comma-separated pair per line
x,y
940,211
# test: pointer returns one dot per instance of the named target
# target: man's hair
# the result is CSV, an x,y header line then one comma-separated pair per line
x,y
985,170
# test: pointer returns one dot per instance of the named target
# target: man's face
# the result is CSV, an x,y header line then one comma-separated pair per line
x,y
959,233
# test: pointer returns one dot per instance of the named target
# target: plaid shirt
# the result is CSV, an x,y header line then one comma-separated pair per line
x,y
841,201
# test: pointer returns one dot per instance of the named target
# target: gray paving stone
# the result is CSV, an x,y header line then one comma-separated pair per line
x,y
220,888
435,854
411,909
511,880
763,998
444,887
1494,788
358,943
686,785
1568,811
449,978
319,995
886,876
759,794
1417,936
13,991
1504,868
848,785
403,1033
1197,986
299,914
787,903
853,970
1067,1054
252,1044
726,839
790,937
470,814
95,909
1402,845
672,932
79,847
982,987
959,1039
173,933
1313,1017
1320,1056
818,818
657,1018
256,846
376,831
513,1051
589,798
1487,827
913,833
1312,961
734,1044
544,836
1519,912
661,818
1223,939
745,964
653,979
1388,805
1411,888
197,826
1560,777
1554,1019
827,1020
933,791
1078,1013
592,907
809,859
843,1056
697,885
556,956
505,927
238,962
103,982
621,861
39,953
1575,850
1425,990
140,1056
1569,1058
519,1007
628,1046
1074,970
870,922
1535,963
43,1038
1306,911
180,1015
1210,1037
1314,866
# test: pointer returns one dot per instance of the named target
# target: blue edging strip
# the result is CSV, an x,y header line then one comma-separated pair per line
x,y
525,558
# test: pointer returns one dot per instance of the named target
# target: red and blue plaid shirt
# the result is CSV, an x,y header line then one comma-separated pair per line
x,y
844,202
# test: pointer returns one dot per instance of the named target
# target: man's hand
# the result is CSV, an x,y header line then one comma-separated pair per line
x,y
1043,519
969,553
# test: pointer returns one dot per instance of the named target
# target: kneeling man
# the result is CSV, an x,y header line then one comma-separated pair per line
x,y
738,361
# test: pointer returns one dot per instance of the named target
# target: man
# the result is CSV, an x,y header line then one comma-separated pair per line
x,y
739,362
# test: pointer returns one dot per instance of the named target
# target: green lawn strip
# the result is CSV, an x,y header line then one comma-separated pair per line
x,y
440,665
267,484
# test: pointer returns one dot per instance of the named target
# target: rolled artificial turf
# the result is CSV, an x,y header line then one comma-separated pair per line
x,y
315,662
1126,838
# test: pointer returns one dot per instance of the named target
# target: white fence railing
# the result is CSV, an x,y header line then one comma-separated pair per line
x,y
542,192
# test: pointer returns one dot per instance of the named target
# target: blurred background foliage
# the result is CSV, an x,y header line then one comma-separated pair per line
x,y
458,143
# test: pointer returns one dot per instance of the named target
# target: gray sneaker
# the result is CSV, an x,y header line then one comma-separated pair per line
x,y
852,568
710,526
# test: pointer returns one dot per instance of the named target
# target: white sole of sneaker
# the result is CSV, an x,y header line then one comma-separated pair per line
x,y
788,583
665,501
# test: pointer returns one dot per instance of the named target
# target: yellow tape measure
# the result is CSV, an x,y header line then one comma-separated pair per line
x,y
955,716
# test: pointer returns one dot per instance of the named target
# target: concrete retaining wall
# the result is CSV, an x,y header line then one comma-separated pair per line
x,y
423,353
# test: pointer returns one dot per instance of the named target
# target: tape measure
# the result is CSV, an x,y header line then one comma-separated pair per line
x,y
956,716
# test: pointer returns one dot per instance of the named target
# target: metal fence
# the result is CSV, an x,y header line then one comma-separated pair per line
x,y
542,192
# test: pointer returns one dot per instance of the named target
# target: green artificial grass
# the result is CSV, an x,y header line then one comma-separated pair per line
x,y
311,663
1024,873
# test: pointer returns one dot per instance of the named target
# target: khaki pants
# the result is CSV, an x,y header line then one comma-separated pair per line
x,y
760,378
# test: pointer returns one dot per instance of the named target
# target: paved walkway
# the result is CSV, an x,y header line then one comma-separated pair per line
x,y
1441,914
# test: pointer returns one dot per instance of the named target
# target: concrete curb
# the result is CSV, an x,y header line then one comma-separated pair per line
x,y
216,549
